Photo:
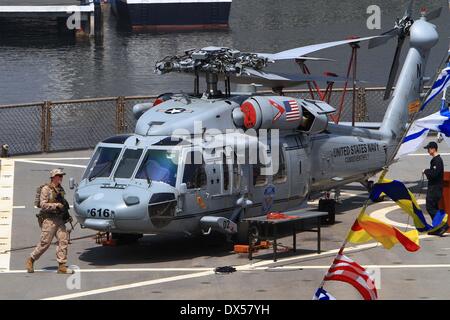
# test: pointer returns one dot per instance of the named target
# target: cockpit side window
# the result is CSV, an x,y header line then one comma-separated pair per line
x,y
102,162
194,170
226,173
159,165
128,163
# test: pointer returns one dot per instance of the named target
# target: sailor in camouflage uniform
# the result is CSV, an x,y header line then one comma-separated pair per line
x,y
52,219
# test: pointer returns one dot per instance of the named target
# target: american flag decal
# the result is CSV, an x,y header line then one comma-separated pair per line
x,y
292,110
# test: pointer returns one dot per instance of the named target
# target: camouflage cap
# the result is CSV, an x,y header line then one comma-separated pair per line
x,y
56,172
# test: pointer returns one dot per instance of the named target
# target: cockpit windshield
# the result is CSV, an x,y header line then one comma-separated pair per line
x,y
102,162
128,163
159,165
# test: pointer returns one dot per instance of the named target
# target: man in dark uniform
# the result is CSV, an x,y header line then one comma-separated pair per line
x,y
435,176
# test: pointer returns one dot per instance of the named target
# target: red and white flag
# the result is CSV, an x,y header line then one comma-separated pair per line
x,y
346,270
292,110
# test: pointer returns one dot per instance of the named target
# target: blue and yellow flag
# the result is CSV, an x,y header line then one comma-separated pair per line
x,y
404,198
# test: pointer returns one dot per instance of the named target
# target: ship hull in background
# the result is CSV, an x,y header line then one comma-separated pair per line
x,y
161,15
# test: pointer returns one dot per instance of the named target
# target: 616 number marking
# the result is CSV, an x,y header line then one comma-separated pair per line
x,y
101,213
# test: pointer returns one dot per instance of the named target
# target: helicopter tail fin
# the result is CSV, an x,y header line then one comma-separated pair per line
x,y
406,97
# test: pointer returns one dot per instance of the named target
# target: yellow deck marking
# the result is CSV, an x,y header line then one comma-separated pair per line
x,y
6,210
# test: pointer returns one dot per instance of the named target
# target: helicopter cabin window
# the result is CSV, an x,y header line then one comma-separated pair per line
x,y
236,173
226,173
281,175
194,170
128,163
259,179
102,162
159,165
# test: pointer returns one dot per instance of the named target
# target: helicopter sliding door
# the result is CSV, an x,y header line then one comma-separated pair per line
x,y
298,168
269,183
194,176
220,182
259,184
279,195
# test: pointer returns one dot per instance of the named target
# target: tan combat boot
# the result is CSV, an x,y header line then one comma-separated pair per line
x,y
29,264
62,269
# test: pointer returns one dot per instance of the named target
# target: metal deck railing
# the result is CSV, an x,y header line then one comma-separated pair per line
x,y
80,124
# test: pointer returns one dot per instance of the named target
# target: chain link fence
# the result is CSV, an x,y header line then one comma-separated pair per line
x,y
81,124
21,127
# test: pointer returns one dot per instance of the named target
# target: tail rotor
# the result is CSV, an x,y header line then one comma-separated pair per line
x,y
401,31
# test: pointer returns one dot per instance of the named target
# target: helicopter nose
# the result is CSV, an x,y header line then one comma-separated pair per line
x,y
105,209
109,209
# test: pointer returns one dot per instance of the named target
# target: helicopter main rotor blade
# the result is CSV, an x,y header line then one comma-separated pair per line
x,y
394,68
295,77
275,80
409,9
297,53
434,14
316,59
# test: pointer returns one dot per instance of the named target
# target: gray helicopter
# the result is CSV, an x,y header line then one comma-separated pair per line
x,y
202,162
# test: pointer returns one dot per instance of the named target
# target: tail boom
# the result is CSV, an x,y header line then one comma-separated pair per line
x,y
423,37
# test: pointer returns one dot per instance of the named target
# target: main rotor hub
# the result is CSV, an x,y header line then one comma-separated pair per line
x,y
404,25
215,60
212,62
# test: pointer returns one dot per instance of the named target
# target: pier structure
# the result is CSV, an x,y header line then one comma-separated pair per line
x,y
79,15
